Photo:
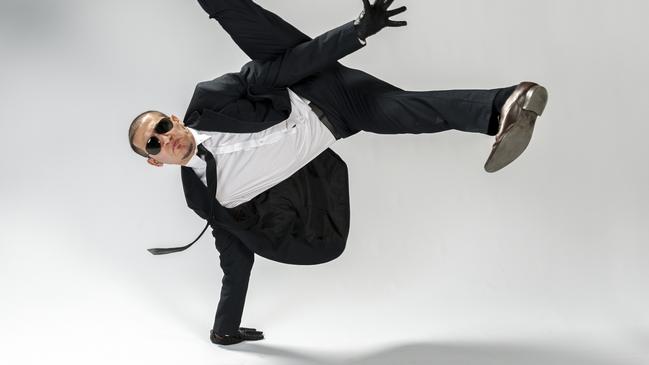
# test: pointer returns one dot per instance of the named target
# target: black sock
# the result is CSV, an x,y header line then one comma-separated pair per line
x,y
499,101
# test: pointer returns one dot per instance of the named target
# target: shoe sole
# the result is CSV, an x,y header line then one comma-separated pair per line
x,y
518,137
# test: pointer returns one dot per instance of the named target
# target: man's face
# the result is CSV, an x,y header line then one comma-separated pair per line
x,y
176,146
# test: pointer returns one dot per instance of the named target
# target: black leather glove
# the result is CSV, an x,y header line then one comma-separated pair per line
x,y
375,17
245,334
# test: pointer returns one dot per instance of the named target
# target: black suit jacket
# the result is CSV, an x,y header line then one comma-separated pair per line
x,y
304,219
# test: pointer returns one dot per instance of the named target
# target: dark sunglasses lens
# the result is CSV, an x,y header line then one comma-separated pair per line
x,y
163,126
153,146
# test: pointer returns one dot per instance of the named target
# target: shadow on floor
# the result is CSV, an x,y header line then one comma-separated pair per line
x,y
465,353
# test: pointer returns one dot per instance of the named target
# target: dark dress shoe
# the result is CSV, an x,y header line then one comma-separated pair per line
x,y
517,119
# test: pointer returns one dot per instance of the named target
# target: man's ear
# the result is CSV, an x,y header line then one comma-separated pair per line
x,y
175,118
154,162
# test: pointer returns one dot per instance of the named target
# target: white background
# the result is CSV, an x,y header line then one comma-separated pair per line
x,y
544,262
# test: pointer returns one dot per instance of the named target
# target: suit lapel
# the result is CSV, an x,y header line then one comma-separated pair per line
x,y
198,199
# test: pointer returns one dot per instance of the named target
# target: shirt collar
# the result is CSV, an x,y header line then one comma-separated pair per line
x,y
196,161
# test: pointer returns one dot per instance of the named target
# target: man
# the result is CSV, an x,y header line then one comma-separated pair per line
x,y
254,145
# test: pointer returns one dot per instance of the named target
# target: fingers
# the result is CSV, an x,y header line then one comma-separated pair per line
x,y
396,11
253,338
392,23
250,334
387,4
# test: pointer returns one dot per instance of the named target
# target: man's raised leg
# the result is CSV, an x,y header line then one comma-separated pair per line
x,y
379,107
261,34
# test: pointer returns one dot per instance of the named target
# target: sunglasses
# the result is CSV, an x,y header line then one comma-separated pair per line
x,y
163,126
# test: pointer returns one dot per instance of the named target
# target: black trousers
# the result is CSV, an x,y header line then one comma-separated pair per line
x,y
363,102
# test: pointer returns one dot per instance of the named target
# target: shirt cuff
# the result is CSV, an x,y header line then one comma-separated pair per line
x,y
362,41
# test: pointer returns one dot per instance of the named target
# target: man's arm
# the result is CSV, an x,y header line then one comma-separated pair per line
x,y
236,261
304,59
316,54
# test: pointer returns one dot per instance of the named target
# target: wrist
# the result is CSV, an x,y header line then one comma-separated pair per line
x,y
358,19
359,33
358,27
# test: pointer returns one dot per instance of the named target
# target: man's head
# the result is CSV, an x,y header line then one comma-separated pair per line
x,y
161,139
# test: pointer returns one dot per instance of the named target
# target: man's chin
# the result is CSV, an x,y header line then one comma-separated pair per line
x,y
188,154
177,163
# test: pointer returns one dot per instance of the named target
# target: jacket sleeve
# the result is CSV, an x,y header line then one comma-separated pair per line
x,y
304,59
236,263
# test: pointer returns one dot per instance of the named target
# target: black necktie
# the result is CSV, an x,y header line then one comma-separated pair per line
x,y
211,187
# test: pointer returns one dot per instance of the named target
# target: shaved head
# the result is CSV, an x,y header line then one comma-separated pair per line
x,y
136,124
172,143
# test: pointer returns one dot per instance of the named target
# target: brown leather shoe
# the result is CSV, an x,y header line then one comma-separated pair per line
x,y
517,119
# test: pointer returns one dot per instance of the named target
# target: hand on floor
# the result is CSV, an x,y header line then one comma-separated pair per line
x,y
245,334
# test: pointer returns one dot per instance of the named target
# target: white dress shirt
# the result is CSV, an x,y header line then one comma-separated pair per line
x,y
248,164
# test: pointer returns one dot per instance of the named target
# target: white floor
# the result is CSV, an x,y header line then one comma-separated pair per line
x,y
72,303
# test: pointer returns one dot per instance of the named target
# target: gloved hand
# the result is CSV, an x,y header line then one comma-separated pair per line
x,y
375,17
245,334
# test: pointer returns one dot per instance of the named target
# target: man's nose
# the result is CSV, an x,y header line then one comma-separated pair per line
x,y
164,139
